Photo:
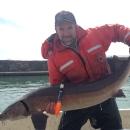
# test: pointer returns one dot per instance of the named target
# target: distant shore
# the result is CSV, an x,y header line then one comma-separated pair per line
x,y
24,73
23,68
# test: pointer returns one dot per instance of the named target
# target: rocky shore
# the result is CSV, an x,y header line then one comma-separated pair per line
x,y
15,67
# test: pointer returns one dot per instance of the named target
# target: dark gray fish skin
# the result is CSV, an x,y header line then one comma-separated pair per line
x,y
75,96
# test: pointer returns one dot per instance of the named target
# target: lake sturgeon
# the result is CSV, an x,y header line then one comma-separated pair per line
x,y
75,96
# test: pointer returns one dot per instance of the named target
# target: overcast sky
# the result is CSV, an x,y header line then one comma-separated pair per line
x,y
25,24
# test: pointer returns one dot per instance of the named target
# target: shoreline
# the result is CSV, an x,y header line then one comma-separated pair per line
x,y
24,73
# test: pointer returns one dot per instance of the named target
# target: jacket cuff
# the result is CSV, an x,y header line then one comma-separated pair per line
x,y
127,39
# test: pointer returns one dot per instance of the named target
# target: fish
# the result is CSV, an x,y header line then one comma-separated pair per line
x,y
75,95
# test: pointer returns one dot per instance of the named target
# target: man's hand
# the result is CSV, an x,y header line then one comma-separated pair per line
x,y
50,108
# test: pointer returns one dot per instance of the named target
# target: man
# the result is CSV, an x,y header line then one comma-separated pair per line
x,y
75,55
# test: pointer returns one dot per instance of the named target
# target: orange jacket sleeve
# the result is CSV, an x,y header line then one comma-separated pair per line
x,y
113,33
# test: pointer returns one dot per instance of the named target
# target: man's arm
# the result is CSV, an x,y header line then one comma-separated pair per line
x,y
112,33
55,76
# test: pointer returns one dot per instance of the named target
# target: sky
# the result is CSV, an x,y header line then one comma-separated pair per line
x,y
26,24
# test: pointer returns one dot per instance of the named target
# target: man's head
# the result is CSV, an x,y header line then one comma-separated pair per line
x,y
64,15
65,26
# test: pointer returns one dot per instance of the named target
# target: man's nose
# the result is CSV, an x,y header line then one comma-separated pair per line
x,y
66,32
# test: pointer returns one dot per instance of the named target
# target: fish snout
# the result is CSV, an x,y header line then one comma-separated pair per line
x,y
14,112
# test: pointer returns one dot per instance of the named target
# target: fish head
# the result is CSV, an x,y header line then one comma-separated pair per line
x,y
14,112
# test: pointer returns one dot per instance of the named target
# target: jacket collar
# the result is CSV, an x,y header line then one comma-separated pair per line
x,y
57,44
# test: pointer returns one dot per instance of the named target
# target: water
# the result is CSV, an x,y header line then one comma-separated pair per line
x,y
14,87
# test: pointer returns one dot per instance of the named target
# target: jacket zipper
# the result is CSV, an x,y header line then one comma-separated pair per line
x,y
82,60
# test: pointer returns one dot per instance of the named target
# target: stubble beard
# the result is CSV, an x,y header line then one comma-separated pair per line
x,y
69,43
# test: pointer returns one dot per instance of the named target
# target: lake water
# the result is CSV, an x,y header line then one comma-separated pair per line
x,y
14,87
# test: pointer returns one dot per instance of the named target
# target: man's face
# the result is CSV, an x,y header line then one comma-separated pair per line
x,y
66,31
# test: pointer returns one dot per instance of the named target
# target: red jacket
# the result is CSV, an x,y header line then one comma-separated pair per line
x,y
64,63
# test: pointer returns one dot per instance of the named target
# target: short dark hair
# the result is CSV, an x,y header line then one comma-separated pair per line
x,y
64,15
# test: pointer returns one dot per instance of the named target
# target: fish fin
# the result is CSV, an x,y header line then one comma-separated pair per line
x,y
119,93
39,121
118,62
